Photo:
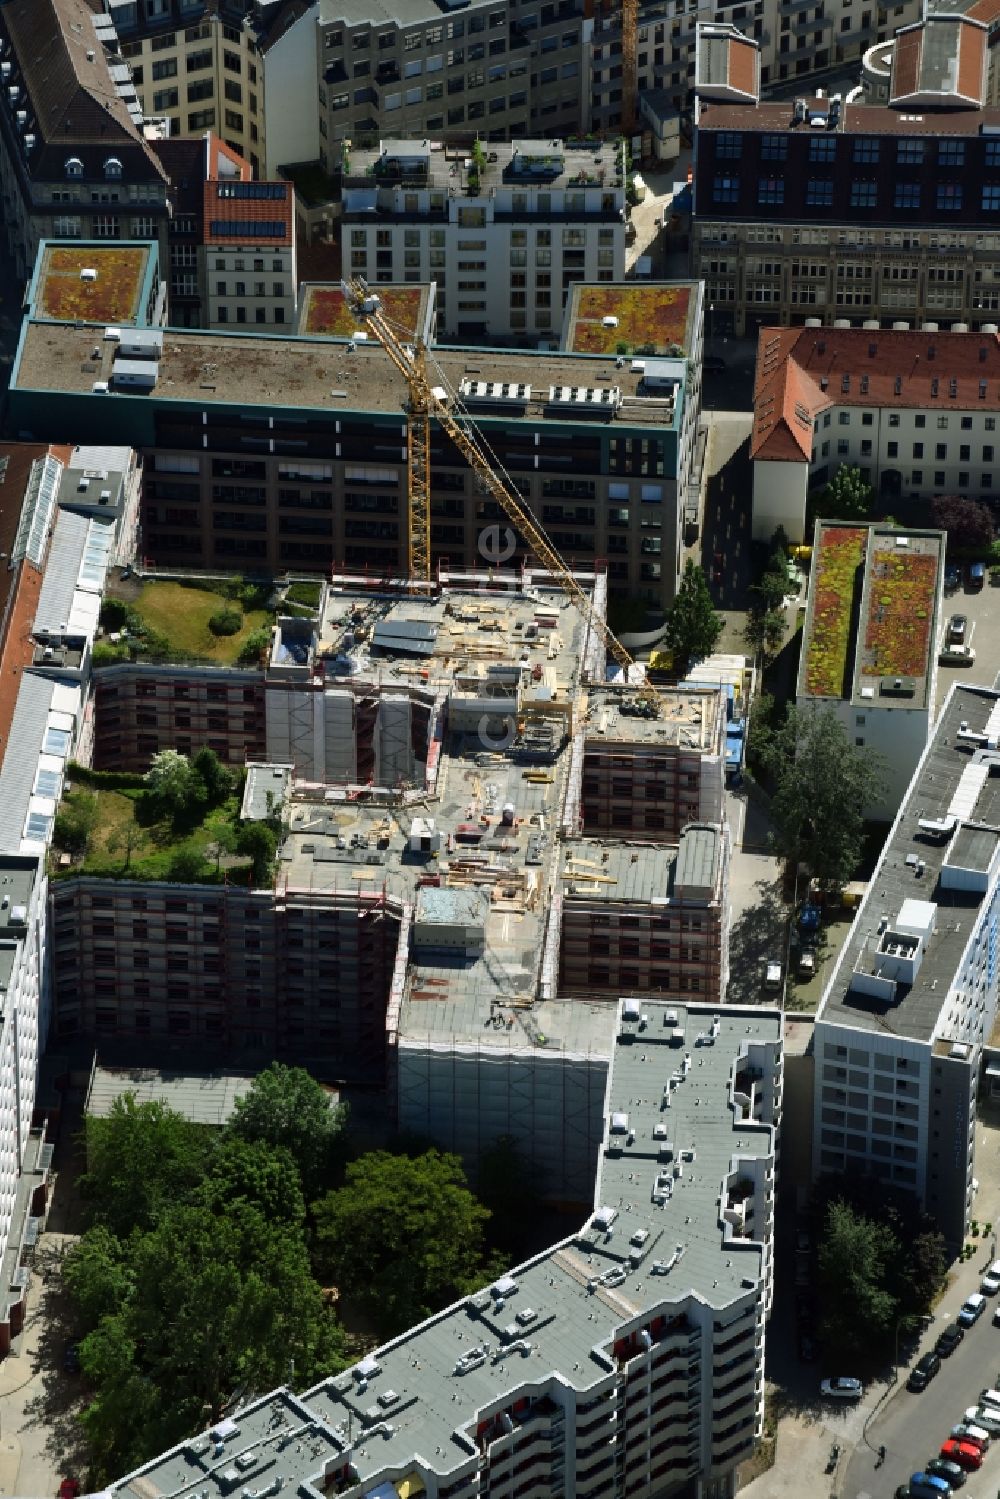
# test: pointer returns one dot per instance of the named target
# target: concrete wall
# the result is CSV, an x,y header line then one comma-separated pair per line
x,y
290,74
780,491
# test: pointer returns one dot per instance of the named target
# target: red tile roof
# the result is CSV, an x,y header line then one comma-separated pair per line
x,y
802,371
906,61
972,63
230,219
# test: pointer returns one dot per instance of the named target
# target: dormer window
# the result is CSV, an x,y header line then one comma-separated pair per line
x,y
74,167
112,169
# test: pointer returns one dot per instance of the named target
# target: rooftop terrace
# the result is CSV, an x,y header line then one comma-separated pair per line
x,y
543,164
414,1405
948,821
322,309
690,718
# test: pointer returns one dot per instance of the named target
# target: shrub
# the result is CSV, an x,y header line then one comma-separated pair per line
x,y
305,593
115,613
256,642
111,780
226,622
186,865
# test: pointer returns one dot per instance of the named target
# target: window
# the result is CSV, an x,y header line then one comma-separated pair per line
x,y
202,88
866,149
728,145
907,195
165,98
911,152
771,191
774,148
166,68
949,195
951,153
991,197
726,190
819,192
822,148
863,194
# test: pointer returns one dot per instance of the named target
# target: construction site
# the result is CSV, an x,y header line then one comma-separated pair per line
x,y
484,843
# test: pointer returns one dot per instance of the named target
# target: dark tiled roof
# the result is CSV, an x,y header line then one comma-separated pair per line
x,y
855,119
76,108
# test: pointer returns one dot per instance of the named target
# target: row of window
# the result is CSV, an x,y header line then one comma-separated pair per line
x,y
948,196
867,150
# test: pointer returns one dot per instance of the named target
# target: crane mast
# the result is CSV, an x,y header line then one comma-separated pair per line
x,y
424,401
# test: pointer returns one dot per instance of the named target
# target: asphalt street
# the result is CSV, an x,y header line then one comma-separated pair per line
x,y
912,1427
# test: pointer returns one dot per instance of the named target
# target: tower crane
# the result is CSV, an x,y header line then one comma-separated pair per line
x,y
425,400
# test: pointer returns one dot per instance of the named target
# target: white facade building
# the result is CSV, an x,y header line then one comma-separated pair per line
x,y
504,235
913,998
915,410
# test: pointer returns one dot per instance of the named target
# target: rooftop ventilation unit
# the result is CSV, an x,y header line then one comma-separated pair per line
x,y
495,392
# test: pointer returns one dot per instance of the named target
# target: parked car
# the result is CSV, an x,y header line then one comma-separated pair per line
x,y
990,1283
69,1488
903,1492
71,1358
806,965
927,1486
942,1467
952,579
972,1309
808,1349
963,1432
966,1454
923,1372
957,655
977,575
842,1388
957,626
986,1416
713,364
772,975
949,1340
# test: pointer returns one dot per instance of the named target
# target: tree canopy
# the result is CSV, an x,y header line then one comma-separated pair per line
x,y
969,523
847,496
880,1263
823,784
692,625
194,1283
289,1110
402,1237
181,789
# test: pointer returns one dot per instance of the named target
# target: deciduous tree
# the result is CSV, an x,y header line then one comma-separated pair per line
x,y
847,496
969,523
290,1110
141,1158
402,1236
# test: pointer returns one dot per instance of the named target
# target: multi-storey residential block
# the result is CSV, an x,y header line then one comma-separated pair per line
x,y
74,163
915,411
913,997
227,482
853,212
231,240
419,71
870,641
504,238
630,1355
195,63
141,708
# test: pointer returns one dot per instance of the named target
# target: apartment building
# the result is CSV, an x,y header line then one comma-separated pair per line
x,y
870,642
856,213
227,482
877,63
226,231
74,163
639,1340
504,235
912,1000
420,71
195,64
915,411
142,708
647,919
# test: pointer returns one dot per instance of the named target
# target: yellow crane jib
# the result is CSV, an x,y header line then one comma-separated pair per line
x,y
424,399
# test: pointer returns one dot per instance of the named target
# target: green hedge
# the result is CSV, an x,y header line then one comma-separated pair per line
x,y
304,593
111,780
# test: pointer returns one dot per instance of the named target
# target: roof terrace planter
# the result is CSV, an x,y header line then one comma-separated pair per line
x,y
112,297
839,556
900,614
537,168
328,313
652,319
